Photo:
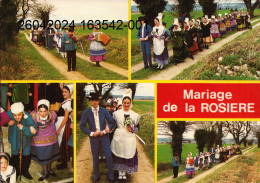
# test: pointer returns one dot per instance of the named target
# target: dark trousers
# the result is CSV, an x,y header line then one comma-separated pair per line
x,y
146,49
96,144
15,162
71,58
175,170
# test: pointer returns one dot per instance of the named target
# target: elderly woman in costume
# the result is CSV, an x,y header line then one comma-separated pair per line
x,y
63,126
97,51
192,39
190,170
217,155
123,145
159,34
45,147
199,34
21,130
201,161
206,35
222,26
8,173
178,39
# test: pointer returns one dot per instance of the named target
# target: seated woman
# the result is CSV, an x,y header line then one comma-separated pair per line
x,y
8,173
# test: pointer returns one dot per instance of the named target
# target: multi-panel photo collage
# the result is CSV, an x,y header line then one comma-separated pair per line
x,y
137,91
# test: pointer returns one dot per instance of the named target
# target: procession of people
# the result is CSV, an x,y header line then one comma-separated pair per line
x,y
112,129
187,36
39,128
205,160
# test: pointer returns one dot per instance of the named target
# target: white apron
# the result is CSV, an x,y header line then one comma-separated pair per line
x,y
123,144
158,44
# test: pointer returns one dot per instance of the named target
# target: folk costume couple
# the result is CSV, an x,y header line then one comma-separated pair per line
x,y
121,155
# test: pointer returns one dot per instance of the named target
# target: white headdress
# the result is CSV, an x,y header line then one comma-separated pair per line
x,y
213,17
70,89
44,102
176,22
17,108
160,15
186,20
219,15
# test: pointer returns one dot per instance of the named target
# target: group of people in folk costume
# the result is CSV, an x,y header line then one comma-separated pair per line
x,y
205,160
43,134
112,131
188,36
65,43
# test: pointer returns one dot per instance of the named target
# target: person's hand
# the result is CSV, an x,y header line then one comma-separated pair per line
x,y
71,125
9,94
129,128
33,130
30,94
96,134
11,122
94,38
146,38
20,126
67,41
101,133
58,132
185,42
107,130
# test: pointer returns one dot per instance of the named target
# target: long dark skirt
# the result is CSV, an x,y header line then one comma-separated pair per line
x,y
128,165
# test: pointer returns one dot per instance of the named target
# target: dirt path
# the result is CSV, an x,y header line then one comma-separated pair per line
x,y
107,66
84,165
168,179
173,71
203,175
57,63
145,169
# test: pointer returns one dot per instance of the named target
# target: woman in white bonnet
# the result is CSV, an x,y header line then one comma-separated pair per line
x,y
123,146
63,126
45,147
21,124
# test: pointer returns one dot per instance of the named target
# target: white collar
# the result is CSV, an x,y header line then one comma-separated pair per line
x,y
93,109
143,25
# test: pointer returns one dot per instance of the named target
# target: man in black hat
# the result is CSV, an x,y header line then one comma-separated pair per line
x,y
98,131
143,34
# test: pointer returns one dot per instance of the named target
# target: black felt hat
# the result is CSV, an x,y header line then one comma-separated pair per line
x,y
93,96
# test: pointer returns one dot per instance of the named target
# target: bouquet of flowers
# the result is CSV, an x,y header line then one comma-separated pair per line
x,y
155,34
129,121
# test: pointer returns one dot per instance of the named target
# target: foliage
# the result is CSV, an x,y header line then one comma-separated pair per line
x,y
201,138
151,8
42,11
208,6
211,138
185,7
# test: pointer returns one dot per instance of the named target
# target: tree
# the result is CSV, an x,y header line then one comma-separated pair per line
x,y
209,7
251,6
239,130
185,7
177,128
132,86
8,24
151,8
220,134
103,89
42,11
23,8
201,139
256,132
211,138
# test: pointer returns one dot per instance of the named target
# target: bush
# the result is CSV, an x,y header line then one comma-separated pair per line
x,y
163,166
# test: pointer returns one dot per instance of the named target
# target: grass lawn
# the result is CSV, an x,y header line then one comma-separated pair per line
x,y
246,168
241,50
24,62
92,72
136,56
117,49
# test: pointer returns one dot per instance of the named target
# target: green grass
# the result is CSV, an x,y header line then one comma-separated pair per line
x,y
117,50
146,110
136,56
242,173
244,48
91,72
23,62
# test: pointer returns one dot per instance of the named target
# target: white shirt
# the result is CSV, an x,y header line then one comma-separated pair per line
x,y
96,118
143,30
